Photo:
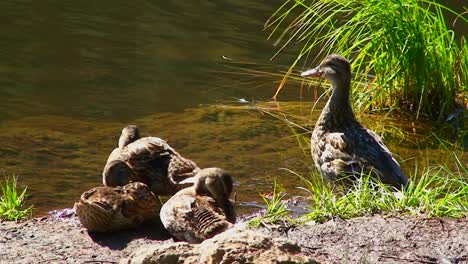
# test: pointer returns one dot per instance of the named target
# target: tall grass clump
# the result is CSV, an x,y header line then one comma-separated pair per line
x,y
414,61
12,201
439,192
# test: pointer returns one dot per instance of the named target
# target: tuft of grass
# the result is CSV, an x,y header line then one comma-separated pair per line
x,y
439,192
12,201
402,49
275,207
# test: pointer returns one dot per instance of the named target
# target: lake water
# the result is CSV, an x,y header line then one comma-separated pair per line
x,y
72,74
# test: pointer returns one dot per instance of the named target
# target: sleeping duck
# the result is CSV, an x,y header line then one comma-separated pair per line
x,y
105,209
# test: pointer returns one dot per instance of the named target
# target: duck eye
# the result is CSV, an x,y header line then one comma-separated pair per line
x,y
329,70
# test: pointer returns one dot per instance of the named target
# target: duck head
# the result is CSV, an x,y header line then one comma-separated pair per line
x,y
214,182
334,68
129,134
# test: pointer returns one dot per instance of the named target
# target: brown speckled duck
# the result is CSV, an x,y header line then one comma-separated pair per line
x,y
340,145
105,209
203,210
149,160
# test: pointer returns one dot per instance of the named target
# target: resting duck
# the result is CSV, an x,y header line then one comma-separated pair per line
x,y
105,209
203,210
149,160
340,145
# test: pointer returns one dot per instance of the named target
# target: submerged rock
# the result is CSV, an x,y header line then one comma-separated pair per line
x,y
233,246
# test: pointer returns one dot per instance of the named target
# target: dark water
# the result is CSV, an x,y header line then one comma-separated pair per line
x,y
72,74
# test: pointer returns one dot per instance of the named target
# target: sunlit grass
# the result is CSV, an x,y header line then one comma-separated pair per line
x,y
275,208
438,192
406,44
12,201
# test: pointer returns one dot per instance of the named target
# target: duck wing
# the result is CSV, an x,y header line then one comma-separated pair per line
x,y
149,158
354,151
140,204
207,218
181,168
98,208
193,218
158,165
368,149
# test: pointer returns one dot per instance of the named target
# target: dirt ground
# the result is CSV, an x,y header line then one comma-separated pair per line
x,y
383,240
59,238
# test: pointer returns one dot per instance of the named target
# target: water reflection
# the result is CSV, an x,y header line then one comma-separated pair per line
x,y
92,60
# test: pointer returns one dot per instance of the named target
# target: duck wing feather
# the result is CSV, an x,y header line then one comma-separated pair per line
x,y
370,150
352,152
193,218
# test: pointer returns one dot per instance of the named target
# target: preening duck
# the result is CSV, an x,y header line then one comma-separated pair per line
x,y
203,210
149,160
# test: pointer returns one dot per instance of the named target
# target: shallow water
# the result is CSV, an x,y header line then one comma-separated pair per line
x,y
73,74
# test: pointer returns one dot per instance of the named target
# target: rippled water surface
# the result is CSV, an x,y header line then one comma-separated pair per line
x,y
73,73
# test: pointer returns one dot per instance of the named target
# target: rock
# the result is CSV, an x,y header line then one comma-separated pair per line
x,y
233,246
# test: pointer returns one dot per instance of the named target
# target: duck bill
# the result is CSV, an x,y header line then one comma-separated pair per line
x,y
190,180
315,72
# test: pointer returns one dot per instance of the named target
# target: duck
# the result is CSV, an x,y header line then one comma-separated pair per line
x,y
149,160
203,210
108,209
340,146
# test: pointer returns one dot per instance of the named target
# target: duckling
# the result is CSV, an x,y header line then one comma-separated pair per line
x,y
106,209
203,210
149,160
340,145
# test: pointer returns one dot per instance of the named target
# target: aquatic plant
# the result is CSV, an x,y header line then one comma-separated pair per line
x,y
12,201
402,47
275,207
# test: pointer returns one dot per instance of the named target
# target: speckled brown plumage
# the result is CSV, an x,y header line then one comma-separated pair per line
x,y
340,145
203,210
105,209
149,160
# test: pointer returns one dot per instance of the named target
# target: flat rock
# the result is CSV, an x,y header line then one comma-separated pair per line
x,y
233,246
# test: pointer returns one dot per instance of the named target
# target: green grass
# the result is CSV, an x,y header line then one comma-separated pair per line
x,y
12,201
418,64
438,192
275,208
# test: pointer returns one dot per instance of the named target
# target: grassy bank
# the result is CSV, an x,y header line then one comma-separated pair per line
x,y
12,200
401,50
438,192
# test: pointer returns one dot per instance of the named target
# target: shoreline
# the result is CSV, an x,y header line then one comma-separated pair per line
x,y
60,238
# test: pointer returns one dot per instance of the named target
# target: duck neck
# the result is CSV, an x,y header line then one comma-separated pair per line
x,y
338,112
124,140
228,208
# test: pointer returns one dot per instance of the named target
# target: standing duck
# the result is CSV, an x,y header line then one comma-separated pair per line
x,y
105,209
203,210
149,160
340,145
